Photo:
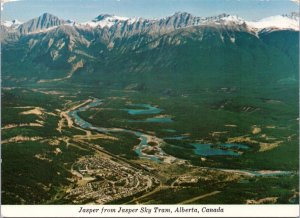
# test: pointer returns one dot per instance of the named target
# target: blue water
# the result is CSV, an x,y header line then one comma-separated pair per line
x,y
235,145
148,109
208,150
159,120
153,120
78,120
200,149
86,125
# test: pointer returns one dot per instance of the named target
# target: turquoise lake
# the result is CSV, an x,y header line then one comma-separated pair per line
x,y
209,150
145,109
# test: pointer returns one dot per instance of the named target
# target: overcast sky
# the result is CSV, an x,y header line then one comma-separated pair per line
x,y
84,10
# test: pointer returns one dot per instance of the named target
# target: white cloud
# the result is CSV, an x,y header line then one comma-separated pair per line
x,y
7,1
296,1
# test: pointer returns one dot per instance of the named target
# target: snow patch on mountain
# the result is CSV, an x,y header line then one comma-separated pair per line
x,y
12,24
224,19
274,22
231,19
278,22
179,20
105,21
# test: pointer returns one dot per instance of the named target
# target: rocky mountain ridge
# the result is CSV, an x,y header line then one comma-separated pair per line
x,y
178,20
49,49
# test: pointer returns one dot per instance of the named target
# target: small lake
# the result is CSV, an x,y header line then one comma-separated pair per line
x,y
210,150
145,109
240,146
153,120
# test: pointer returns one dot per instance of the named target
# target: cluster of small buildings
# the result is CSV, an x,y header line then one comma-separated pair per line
x,y
101,180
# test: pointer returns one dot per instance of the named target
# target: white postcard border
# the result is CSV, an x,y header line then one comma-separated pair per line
x,y
150,211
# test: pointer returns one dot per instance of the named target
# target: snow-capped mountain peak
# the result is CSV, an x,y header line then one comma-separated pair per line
x,y
183,19
232,19
12,24
126,26
278,22
222,19
105,20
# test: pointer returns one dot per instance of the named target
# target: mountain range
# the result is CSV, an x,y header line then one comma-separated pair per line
x,y
153,53
178,20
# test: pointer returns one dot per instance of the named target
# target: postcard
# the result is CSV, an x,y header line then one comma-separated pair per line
x,y
150,108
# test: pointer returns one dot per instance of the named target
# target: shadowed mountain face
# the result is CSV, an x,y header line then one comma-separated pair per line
x,y
41,23
180,51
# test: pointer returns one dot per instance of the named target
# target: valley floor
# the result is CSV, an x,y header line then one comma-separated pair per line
x,y
80,147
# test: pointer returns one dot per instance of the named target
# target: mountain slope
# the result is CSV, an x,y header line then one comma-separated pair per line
x,y
116,52
279,22
41,23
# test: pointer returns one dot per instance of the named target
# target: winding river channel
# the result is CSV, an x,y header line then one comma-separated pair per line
x,y
157,154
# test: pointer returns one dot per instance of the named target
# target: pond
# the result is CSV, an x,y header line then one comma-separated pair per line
x,y
145,109
153,120
210,150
